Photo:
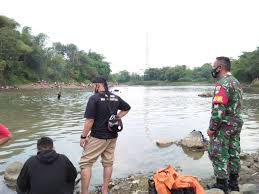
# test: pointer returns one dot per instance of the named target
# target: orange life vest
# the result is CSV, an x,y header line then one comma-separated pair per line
x,y
167,179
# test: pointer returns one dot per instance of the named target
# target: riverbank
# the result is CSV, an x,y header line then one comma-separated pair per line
x,y
75,85
53,85
138,184
46,85
165,83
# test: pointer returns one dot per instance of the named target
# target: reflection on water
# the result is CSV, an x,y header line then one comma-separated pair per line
x,y
194,154
157,113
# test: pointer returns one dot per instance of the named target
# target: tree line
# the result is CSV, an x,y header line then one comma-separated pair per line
x,y
26,58
178,73
245,69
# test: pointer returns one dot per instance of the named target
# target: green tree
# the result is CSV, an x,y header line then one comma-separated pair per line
x,y
152,74
25,57
246,67
135,77
122,76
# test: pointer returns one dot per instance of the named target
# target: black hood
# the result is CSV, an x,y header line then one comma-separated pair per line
x,y
47,156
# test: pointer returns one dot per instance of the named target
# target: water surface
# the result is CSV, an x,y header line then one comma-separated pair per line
x,y
169,112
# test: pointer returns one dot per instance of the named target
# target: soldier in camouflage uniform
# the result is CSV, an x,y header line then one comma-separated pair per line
x,y
225,126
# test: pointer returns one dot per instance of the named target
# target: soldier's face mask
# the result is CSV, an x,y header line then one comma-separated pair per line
x,y
215,71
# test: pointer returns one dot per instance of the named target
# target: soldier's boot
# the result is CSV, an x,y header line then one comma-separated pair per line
x,y
220,184
233,182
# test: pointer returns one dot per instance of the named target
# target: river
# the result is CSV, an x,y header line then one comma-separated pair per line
x,y
169,112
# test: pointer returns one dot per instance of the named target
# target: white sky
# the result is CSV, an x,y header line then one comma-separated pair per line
x,y
185,32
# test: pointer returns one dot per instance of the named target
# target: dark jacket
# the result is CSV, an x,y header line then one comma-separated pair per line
x,y
47,173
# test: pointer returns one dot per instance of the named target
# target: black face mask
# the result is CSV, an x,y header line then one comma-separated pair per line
x,y
214,72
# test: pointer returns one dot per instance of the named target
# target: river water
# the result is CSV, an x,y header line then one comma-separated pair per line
x,y
169,112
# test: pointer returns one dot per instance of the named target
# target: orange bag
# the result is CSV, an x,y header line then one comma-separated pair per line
x,y
167,179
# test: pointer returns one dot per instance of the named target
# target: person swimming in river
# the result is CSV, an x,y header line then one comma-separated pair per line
x,y
59,95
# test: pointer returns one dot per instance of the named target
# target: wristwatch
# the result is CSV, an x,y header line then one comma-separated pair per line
x,y
83,137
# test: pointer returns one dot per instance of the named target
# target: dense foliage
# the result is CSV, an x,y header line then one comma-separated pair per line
x,y
26,58
170,74
245,68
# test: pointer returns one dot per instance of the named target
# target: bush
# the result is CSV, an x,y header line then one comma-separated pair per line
x,y
255,83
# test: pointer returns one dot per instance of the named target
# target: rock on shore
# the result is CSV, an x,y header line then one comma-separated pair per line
x,y
249,180
164,143
206,95
138,184
194,141
12,172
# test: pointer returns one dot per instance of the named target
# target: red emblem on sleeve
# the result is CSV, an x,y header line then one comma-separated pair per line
x,y
220,96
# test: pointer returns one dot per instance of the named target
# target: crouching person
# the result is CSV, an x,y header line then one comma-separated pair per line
x,y
47,173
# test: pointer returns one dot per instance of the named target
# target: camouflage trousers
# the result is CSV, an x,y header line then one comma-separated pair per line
x,y
224,150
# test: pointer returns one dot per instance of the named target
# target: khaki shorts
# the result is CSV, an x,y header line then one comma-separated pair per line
x,y
95,147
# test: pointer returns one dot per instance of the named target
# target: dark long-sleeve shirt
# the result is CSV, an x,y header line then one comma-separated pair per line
x,y
47,173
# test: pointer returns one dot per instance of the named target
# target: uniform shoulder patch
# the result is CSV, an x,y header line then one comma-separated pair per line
x,y
220,96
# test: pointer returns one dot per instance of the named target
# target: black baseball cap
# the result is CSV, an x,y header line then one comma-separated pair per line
x,y
99,79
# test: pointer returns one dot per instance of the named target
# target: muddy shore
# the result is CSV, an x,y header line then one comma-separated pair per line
x,y
138,184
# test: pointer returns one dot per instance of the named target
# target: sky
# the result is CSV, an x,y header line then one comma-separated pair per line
x,y
172,32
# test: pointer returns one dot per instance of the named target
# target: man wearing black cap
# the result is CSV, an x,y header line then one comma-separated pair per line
x,y
101,140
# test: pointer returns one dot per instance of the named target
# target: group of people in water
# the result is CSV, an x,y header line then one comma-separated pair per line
x,y
51,173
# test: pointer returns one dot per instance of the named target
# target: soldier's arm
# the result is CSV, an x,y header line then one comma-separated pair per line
x,y
217,114
220,102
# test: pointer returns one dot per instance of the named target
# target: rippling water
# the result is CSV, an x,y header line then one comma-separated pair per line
x,y
157,112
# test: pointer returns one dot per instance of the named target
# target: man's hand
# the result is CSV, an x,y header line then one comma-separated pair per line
x,y
210,132
82,142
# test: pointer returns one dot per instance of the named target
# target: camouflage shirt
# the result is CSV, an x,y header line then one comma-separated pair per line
x,y
226,103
